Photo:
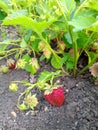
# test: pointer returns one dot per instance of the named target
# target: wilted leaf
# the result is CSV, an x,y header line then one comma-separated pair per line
x,y
94,69
96,81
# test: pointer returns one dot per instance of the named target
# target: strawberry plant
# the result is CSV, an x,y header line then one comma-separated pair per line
x,y
57,31
53,92
73,25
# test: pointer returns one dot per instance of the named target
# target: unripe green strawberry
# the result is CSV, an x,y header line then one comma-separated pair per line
x,y
4,69
55,97
32,38
13,87
34,64
20,64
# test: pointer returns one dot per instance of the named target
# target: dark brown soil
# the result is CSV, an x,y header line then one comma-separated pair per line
x,y
79,112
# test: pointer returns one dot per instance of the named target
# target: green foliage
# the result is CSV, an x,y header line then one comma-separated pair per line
x,y
82,40
56,62
46,75
2,15
68,60
59,31
45,81
83,20
74,22
17,19
28,67
92,4
68,5
4,6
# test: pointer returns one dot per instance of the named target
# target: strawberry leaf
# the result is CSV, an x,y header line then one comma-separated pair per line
x,y
46,75
19,18
56,61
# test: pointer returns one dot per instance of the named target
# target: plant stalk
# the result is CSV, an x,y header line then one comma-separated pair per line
x,y
74,43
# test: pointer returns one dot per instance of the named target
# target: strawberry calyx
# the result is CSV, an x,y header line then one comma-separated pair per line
x,y
55,96
11,63
50,89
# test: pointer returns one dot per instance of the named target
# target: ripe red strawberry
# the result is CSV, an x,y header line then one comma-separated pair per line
x,y
12,66
56,97
11,63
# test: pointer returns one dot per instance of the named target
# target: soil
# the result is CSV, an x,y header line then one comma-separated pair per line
x,y
79,111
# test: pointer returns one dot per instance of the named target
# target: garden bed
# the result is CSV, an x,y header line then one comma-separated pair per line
x,y
41,43
79,111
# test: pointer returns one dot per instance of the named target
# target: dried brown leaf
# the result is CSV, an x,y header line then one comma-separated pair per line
x,y
96,81
94,69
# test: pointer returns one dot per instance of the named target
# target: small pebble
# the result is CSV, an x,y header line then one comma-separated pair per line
x,y
67,90
14,114
46,108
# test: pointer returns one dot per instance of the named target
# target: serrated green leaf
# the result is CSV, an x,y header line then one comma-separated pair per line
x,y
34,44
28,34
68,5
26,57
27,22
81,22
66,57
56,62
16,14
59,25
82,40
69,65
46,75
